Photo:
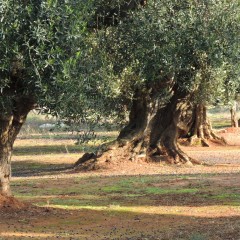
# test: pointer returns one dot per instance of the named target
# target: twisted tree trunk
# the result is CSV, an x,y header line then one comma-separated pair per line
x,y
157,141
201,130
151,134
10,125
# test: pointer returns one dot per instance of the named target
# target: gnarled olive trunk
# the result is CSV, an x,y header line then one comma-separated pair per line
x,y
201,129
138,117
10,125
151,134
158,137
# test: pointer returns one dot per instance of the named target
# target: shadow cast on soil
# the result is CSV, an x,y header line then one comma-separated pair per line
x,y
32,168
47,149
124,192
114,224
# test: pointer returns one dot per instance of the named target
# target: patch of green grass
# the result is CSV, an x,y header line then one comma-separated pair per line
x,y
96,192
157,190
227,196
220,117
67,202
139,186
198,236
184,177
114,189
25,184
30,165
221,123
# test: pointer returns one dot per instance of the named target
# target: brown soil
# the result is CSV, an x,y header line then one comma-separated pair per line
x,y
170,217
231,135
10,203
165,217
230,130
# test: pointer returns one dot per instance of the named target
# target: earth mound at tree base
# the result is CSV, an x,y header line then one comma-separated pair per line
x,y
10,203
117,156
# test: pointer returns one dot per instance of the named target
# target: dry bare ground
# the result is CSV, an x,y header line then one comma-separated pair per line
x,y
123,200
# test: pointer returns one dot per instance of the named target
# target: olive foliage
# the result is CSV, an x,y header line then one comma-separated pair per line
x,y
193,43
80,59
46,56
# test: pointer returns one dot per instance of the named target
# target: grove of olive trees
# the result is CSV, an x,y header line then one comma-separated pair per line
x,y
87,59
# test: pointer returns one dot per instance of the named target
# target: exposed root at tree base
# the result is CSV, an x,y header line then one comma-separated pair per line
x,y
203,142
115,155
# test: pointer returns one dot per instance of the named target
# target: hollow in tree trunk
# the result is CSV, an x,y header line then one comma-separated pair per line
x,y
10,125
151,134
201,130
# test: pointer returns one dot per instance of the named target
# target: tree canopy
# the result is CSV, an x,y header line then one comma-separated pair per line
x,y
43,46
43,50
166,57
191,42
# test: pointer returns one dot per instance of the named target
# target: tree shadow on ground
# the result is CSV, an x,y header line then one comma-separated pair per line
x,y
114,224
48,149
32,168
99,192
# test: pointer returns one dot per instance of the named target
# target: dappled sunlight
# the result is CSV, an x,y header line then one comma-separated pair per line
x,y
52,158
59,198
36,235
214,211
128,195
28,142
186,191
116,222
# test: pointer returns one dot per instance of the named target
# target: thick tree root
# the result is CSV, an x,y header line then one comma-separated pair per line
x,y
201,132
87,162
134,152
206,142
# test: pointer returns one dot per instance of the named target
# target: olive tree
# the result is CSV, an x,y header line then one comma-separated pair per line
x,y
42,62
164,54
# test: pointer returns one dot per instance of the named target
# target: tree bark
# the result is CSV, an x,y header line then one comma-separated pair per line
x,y
201,130
5,153
138,117
233,111
151,134
10,125
168,123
